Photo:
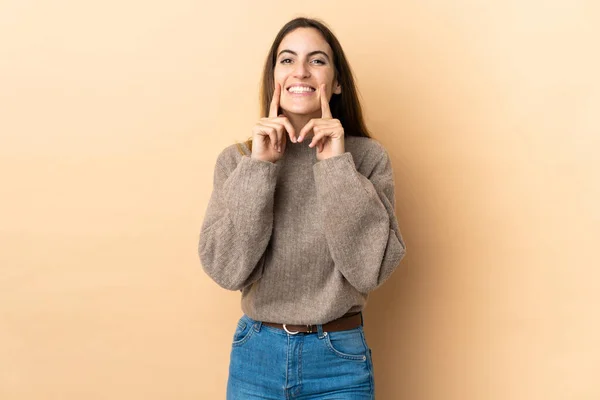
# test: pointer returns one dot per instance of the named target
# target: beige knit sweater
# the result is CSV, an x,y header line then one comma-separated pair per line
x,y
304,240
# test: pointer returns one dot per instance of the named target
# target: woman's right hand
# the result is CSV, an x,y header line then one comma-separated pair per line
x,y
269,134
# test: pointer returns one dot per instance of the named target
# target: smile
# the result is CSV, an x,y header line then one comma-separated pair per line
x,y
300,89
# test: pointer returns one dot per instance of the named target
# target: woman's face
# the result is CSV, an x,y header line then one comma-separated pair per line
x,y
304,62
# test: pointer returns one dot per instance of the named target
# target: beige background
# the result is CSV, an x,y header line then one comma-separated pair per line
x,y
111,117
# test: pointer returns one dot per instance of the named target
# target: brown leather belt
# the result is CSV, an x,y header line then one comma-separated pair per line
x,y
347,321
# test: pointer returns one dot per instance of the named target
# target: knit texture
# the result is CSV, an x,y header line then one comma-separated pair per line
x,y
304,240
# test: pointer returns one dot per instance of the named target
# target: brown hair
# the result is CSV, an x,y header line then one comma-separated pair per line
x,y
344,106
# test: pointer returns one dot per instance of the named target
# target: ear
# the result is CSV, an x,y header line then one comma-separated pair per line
x,y
337,88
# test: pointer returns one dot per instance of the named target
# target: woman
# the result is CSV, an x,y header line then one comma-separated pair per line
x,y
301,221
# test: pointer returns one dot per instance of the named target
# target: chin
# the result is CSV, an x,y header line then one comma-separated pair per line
x,y
300,110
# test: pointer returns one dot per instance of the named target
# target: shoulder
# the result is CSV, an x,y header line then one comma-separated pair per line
x,y
231,156
364,146
366,152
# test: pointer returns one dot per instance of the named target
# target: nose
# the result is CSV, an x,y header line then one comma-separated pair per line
x,y
301,70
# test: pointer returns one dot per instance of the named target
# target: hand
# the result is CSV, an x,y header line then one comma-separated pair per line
x,y
328,132
268,135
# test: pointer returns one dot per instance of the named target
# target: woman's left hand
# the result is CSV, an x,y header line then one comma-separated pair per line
x,y
328,132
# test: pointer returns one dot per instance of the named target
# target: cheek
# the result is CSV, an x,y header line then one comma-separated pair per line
x,y
327,79
279,75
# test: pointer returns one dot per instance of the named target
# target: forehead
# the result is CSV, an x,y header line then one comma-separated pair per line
x,y
304,40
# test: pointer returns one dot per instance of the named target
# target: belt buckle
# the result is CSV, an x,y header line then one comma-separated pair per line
x,y
291,333
309,330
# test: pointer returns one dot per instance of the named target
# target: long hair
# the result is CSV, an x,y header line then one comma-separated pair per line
x,y
344,106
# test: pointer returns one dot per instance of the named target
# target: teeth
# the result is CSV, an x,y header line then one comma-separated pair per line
x,y
300,89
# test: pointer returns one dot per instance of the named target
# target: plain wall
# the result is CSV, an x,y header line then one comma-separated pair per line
x,y
112,115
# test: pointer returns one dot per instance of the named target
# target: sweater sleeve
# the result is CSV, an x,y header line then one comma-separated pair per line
x,y
238,222
359,219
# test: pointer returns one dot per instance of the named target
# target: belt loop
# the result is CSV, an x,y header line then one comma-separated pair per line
x,y
257,326
362,321
320,331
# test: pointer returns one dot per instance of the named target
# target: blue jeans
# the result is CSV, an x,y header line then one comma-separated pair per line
x,y
269,363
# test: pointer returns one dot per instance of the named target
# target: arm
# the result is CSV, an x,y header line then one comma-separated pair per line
x,y
359,220
238,222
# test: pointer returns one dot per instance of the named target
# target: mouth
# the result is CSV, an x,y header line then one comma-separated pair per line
x,y
300,89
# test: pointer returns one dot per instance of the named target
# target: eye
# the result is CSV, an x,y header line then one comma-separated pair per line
x,y
285,61
318,61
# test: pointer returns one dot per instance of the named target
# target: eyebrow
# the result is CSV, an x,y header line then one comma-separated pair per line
x,y
312,53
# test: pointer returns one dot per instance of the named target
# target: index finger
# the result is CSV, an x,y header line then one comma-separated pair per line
x,y
274,109
325,111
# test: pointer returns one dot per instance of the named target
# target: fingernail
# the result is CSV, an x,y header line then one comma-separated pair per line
x,y
300,139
